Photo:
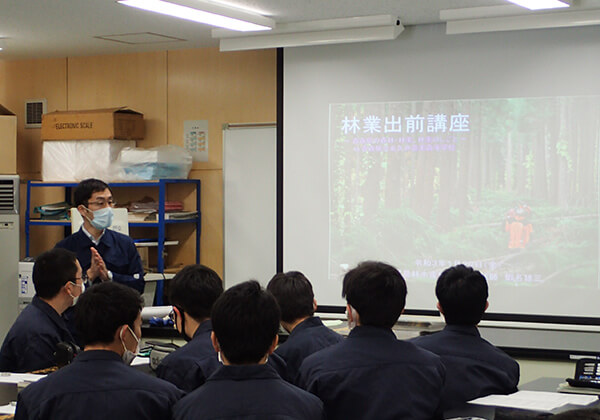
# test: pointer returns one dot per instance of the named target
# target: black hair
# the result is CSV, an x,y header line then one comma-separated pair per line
x,y
377,291
194,289
103,308
52,270
245,320
462,293
86,188
294,294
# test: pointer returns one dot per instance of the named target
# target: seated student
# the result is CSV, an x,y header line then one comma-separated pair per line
x,y
104,255
32,340
245,324
474,367
192,292
295,297
372,374
99,383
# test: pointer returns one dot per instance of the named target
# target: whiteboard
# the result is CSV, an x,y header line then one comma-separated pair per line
x,y
249,202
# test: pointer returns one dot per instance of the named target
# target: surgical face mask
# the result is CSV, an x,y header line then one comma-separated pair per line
x,y
76,298
128,355
102,218
352,324
182,332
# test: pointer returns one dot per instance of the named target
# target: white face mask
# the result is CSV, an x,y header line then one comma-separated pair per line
x,y
128,355
352,324
102,218
76,298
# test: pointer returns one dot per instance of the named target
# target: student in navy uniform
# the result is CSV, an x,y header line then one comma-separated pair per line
x,y
192,292
295,297
104,255
32,340
99,383
372,374
474,367
245,324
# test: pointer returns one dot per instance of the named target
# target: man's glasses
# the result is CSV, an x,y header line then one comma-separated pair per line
x,y
102,203
172,316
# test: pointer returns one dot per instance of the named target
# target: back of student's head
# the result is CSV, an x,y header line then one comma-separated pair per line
x,y
103,308
245,320
377,291
294,294
194,289
462,293
84,190
52,270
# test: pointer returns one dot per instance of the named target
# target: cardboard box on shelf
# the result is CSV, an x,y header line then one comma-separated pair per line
x,y
8,139
94,124
67,161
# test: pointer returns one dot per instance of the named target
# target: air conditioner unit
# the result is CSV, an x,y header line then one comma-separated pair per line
x,y
9,251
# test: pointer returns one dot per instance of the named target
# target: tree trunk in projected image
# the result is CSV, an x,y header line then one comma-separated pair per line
x,y
540,185
474,164
561,156
397,175
447,181
462,200
573,155
370,187
423,191
553,159
521,172
508,175
587,155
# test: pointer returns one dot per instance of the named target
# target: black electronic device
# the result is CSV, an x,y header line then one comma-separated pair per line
x,y
587,374
65,353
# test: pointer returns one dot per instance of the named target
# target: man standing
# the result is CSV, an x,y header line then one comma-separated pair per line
x,y
99,384
372,374
295,297
192,292
32,340
104,255
474,367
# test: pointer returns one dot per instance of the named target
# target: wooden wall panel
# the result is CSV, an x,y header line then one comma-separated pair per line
x,y
138,81
33,79
221,87
3,82
205,84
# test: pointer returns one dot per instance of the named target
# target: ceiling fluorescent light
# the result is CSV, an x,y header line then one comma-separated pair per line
x,y
319,25
480,12
319,32
529,21
541,4
202,11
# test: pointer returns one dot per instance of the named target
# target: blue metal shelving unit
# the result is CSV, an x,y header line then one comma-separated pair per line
x,y
160,223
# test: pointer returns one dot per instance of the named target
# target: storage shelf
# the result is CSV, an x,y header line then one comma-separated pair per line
x,y
160,224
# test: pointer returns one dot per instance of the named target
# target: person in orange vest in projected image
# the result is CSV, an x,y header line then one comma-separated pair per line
x,y
518,226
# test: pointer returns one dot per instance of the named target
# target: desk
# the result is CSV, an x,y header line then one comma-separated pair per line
x,y
498,413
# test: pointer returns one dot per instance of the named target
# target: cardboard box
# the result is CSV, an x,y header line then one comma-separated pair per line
x,y
66,160
93,124
8,140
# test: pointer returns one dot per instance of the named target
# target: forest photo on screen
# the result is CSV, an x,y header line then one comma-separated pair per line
x,y
508,186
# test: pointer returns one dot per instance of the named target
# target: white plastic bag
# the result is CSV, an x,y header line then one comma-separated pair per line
x,y
162,162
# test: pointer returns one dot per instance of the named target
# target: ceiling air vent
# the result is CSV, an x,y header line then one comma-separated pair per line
x,y
34,108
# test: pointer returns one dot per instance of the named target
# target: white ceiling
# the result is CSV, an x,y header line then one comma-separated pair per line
x,y
61,28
